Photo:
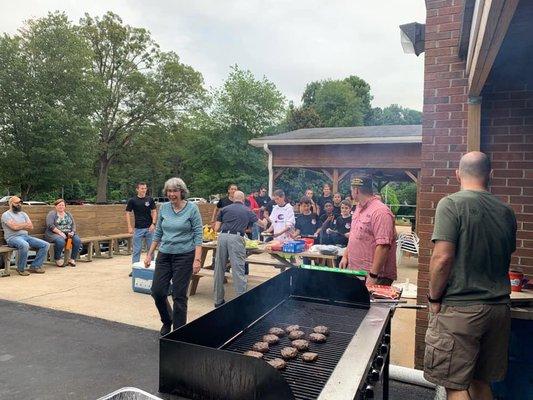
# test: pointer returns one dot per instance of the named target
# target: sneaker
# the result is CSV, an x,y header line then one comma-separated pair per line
x,y
60,263
23,273
72,262
165,329
37,270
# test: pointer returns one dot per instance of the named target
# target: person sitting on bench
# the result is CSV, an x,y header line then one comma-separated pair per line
x,y
16,224
60,227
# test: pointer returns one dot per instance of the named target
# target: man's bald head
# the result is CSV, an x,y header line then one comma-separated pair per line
x,y
238,196
475,166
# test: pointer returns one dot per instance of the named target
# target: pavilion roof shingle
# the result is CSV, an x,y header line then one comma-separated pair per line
x,y
361,134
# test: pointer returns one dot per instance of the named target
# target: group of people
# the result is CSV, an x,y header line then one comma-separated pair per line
x,y
474,236
60,230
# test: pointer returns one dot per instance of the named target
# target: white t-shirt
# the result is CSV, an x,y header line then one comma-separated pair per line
x,y
281,218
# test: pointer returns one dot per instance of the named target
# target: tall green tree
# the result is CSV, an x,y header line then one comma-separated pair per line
x,y
215,150
141,87
46,98
395,115
343,102
301,117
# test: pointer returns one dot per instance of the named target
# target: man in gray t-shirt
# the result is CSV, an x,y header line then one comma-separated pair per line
x,y
16,224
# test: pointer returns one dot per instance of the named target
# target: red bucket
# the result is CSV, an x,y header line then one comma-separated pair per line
x,y
308,242
517,280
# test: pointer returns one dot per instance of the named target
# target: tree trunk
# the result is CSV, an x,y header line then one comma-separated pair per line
x,y
103,170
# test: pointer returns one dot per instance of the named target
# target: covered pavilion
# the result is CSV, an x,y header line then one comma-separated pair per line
x,y
387,153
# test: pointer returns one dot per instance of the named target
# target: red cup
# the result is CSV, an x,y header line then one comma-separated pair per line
x,y
517,280
308,242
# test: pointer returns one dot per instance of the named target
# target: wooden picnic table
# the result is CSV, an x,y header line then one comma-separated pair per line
x,y
280,260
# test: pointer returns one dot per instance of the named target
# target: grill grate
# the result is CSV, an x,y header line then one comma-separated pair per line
x,y
305,379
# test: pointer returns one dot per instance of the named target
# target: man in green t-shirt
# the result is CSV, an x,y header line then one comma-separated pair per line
x,y
469,323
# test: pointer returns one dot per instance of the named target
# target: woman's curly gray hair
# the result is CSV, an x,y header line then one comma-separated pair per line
x,y
176,184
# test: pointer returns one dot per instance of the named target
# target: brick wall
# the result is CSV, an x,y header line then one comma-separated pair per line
x,y
506,136
443,133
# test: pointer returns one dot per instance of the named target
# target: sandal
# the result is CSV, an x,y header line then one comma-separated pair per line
x,y
72,262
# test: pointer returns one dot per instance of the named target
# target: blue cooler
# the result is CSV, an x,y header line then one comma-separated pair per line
x,y
141,277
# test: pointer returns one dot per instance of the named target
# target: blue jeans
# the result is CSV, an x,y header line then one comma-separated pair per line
x,y
256,230
59,245
23,243
138,235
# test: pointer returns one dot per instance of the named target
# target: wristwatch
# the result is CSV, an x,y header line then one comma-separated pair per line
x,y
439,300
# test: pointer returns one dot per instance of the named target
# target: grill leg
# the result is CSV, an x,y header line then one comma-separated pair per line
x,y
386,368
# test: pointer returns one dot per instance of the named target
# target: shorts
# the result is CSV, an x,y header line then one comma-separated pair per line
x,y
465,343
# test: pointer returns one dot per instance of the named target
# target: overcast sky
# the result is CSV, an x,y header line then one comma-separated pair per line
x,y
291,42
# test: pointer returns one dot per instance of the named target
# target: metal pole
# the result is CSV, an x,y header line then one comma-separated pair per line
x,y
270,170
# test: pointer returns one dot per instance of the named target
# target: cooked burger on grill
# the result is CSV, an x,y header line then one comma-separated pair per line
x,y
278,363
309,357
271,339
289,352
255,354
324,330
262,347
291,328
317,337
276,331
296,335
301,344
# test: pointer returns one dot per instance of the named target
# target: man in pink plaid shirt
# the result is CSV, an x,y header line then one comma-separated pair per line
x,y
372,241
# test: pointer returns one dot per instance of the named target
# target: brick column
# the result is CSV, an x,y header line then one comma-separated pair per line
x,y
443,133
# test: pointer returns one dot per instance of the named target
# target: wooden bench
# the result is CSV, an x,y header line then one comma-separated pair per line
x,y
96,225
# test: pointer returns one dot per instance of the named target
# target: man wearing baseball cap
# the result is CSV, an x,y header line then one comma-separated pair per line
x,y
372,240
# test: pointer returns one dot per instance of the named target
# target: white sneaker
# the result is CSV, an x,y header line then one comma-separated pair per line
x,y
60,262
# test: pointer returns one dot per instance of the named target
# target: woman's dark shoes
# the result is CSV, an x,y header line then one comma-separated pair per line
x,y
165,329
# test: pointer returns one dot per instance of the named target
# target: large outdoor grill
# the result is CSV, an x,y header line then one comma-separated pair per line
x,y
204,359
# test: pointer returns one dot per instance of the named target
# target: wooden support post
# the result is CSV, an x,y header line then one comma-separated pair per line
x,y
278,173
328,175
343,175
473,133
335,180
412,176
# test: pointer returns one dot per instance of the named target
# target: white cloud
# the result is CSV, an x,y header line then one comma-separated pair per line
x,y
290,42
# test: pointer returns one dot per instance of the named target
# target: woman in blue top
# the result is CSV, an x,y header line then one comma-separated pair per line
x,y
178,234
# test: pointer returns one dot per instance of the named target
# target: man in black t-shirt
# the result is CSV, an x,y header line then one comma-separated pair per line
x,y
223,202
145,214
307,223
342,224
263,198
326,222
326,196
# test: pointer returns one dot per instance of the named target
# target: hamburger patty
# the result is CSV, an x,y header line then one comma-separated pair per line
x,y
309,357
261,347
271,339
301,344
252,353
291,328
289,352
276,331
278,363
296,335
317,337
324,330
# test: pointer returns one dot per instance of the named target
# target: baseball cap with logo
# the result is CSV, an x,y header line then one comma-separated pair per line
x,y
362,182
